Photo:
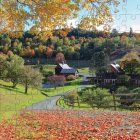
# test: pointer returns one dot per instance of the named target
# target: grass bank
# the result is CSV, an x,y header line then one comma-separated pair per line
x,y
12,100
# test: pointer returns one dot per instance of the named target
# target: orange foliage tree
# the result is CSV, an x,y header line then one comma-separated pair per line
x,y
49,52
47,15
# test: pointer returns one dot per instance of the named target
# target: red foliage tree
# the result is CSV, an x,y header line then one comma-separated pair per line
x,y
59,57
57,80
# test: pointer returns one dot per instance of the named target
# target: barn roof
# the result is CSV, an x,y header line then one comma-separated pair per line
x,y
68,71
64,66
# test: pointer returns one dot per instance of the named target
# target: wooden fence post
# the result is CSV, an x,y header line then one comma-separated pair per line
x,y
114,101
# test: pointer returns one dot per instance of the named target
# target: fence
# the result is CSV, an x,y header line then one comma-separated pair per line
x,y
116,100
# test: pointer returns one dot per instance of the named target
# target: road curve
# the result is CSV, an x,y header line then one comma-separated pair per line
x,y
50,104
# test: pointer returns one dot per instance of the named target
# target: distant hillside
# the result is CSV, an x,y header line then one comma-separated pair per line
x,y
76,44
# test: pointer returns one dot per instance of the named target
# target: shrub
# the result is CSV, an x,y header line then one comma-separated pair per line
x,y
96,96
71,77
100,98
71,97
46,74
124,90
136,90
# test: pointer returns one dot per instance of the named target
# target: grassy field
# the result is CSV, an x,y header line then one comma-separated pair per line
x,y
13,100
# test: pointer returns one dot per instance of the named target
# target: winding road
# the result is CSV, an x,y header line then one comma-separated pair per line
x,y
50,104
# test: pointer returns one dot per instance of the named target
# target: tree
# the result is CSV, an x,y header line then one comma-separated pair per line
x,y
15,66
130,66
71,97
131,55
131,32
114,33
124,41
130,62
3,65
57,80
123,79
96,96
99,61
49,15
59,57
31,78
138,71
49,52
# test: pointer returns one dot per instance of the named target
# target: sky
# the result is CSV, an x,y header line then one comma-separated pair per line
x,y
128,16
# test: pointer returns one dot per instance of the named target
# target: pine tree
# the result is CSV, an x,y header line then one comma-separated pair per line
x,y
131,32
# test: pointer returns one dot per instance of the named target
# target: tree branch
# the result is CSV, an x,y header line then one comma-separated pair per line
x,y
18,1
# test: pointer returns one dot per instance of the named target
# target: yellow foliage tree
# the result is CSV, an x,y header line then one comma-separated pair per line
x,y
48,15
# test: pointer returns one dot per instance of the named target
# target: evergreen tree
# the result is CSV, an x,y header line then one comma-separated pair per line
x,y
131,32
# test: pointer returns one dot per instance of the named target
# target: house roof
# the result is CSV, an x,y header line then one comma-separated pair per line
x,y
116,67
68,71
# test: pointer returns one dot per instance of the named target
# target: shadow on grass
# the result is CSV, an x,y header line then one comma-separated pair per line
x,y
11,89
45,94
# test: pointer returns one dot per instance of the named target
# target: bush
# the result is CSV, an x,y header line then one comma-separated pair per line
x,y
124,90
71,77
100,98
96,96
71,97
121,90
136,90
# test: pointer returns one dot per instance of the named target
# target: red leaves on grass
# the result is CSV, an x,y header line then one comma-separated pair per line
x,y
73,125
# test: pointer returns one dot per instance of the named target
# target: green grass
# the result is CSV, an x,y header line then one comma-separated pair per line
x,y
83,106
86,106
76,81
47,67
52,91
13,100
83,70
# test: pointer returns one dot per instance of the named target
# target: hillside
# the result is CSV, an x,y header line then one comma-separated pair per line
x,y
75,44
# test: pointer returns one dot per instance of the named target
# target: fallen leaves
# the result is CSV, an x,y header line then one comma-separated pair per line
x,y
72,125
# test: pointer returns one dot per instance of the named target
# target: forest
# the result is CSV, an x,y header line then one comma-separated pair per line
x,y
75,44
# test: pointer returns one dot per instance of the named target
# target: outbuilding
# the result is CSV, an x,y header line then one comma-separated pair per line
x,y
64,69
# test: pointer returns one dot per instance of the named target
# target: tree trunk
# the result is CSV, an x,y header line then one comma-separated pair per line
x,y
26,88
14,84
